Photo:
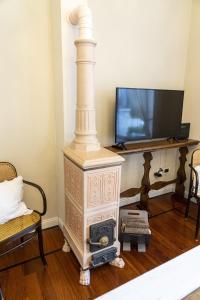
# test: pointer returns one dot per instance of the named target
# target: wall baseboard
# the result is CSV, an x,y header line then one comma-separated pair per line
x,y
60,223
47,223
154,193
55,221
192,199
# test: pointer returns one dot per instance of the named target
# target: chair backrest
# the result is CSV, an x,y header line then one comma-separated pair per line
x,y
7,171
195,158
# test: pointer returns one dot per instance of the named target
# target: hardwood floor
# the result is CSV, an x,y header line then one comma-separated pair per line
x,y
171,236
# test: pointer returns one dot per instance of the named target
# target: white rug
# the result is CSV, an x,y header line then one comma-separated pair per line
x,y
173,280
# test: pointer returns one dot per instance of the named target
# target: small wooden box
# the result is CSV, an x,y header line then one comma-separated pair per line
x,y
134,228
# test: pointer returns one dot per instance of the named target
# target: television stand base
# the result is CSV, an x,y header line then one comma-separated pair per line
x,y
172,139
120,146
146,186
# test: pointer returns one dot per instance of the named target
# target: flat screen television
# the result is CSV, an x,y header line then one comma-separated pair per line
x,y
147,114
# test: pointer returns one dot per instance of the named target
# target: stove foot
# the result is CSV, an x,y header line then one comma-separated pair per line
x,y
84,277
66,247
118,262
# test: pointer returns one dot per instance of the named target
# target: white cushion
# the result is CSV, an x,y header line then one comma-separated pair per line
x,y
11,195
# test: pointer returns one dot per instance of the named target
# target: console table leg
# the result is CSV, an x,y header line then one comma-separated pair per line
x,y
181,175
145,185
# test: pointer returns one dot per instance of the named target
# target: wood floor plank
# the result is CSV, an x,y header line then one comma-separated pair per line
x,y
13,286
32,289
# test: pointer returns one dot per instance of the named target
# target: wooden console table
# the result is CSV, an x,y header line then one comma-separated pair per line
x,y
147,148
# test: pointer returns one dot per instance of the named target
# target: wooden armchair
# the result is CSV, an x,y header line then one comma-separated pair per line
x,y
18,228
194,188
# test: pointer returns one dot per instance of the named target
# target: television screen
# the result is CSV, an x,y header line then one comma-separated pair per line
x,y
147,114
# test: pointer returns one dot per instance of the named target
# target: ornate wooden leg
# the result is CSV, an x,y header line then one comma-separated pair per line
x,y
181,176
145,185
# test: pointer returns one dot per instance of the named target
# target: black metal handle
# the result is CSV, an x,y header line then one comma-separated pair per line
x,y
42,194
103,241
197,178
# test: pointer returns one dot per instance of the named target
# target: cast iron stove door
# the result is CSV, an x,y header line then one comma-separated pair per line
x,y
102,235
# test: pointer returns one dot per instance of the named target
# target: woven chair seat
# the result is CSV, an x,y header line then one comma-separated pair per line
x,y
17,225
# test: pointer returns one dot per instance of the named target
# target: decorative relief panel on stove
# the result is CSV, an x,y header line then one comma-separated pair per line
x,y
74,221
74,182
110,180
94,190
111,214
102,187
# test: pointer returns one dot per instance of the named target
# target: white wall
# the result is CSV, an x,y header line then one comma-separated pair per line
x,y
139,44
192,83
191,111
27,120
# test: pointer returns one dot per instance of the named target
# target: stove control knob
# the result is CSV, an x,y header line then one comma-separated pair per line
x,y
104,240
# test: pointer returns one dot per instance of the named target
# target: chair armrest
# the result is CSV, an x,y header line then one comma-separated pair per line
x,y
42,194
196,177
